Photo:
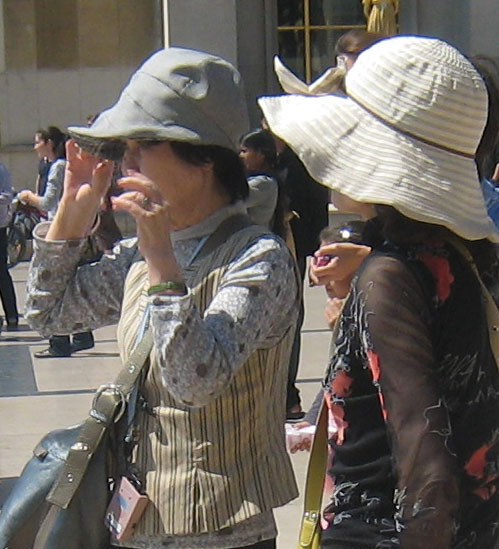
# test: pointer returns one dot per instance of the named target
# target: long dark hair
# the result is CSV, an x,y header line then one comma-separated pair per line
x,y
263,141
58,138
399,229
487,153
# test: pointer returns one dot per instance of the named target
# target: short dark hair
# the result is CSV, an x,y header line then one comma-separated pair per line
x,y
227,166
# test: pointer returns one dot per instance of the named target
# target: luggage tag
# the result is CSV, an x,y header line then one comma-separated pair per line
x,y
125,509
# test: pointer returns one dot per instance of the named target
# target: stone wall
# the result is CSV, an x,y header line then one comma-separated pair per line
x,y
64,60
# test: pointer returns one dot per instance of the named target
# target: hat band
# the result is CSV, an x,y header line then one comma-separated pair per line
x,y
409,134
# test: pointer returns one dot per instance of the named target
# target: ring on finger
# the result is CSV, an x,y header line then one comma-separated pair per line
x,y
146,201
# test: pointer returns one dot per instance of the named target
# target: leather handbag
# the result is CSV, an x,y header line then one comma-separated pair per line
x,y
60,499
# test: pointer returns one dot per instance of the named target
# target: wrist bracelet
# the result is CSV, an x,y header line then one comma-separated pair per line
x,y
177,288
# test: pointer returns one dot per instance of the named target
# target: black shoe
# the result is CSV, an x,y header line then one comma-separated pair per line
x,y
49,352
82,341
12,326
77,346
294,417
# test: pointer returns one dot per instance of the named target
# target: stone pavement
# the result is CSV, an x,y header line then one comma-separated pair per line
x,y
38,395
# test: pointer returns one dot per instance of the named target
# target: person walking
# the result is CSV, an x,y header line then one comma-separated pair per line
x,y
7,292
50,145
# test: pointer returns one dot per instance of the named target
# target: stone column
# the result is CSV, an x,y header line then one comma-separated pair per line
x,y
448,20
242,31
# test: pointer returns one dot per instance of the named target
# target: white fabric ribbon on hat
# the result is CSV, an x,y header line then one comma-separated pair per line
x,y
328,82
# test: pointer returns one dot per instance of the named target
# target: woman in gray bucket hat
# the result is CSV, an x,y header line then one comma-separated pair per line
x,y
210,452
413,384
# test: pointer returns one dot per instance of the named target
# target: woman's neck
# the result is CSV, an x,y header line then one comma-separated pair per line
x,y
188,214
51,156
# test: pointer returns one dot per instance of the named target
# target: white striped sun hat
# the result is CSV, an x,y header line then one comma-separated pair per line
x,y
405,135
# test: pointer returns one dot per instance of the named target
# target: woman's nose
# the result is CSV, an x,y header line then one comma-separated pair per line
x,y
131,158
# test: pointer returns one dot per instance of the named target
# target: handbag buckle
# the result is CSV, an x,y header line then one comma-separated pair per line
x,y
114,390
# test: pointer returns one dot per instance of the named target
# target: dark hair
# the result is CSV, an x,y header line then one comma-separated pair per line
x,y
487,153
261,141
58,138
227,166
399,229
356,41
351,231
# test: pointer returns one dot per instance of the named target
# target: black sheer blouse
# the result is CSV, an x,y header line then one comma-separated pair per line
x,y
414,389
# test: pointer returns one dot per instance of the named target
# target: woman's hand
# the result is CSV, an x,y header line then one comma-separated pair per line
x,y
332,312
343,260
145,203
86,180
297,441
25,196
30,199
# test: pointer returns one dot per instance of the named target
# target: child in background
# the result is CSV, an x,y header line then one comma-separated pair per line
x,y
300,435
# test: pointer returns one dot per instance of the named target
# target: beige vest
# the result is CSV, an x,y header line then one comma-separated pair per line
x,y
212,467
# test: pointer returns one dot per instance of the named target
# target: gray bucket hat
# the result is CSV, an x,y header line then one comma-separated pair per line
x,y
177,94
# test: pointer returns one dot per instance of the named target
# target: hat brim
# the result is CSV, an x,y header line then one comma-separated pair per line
x,y
107,135
349,150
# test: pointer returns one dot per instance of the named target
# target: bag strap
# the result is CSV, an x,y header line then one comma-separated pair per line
x,y
314,485
491,309
317,466
227,228
108,406
110,400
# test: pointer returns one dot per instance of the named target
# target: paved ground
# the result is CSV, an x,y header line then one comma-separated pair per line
x,y
39,395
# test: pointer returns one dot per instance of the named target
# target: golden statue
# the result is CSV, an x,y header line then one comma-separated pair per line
x,y
381,16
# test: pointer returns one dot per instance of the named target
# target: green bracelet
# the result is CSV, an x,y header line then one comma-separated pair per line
x,y
169,286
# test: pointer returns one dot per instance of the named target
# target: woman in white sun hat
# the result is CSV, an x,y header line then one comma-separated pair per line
x,y
413,385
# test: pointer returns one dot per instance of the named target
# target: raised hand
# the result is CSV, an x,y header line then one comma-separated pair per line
x,y
86,180
344,260
145,203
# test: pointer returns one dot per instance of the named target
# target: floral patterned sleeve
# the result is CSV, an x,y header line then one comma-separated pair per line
x,y
256,304
398,344
65,298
